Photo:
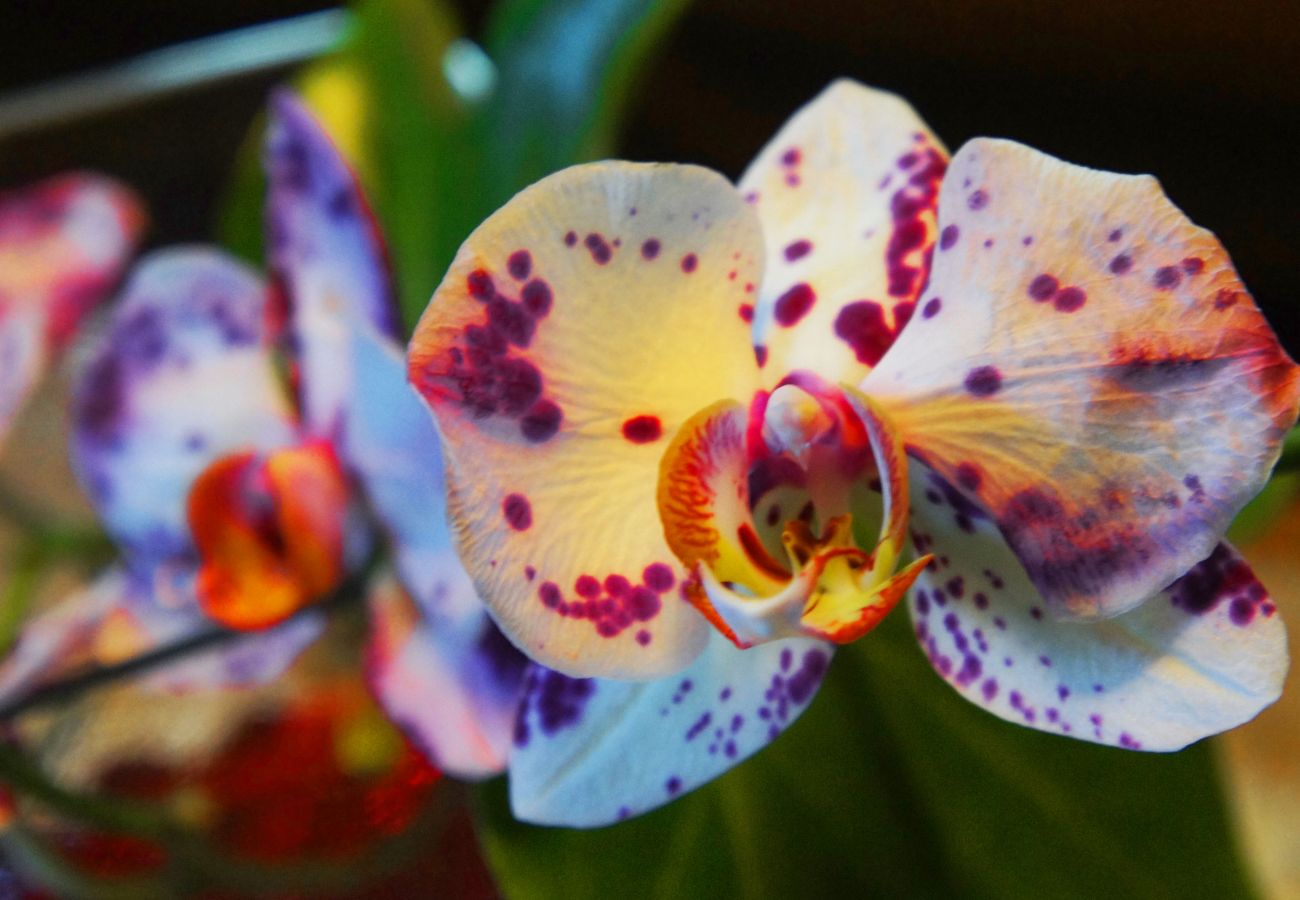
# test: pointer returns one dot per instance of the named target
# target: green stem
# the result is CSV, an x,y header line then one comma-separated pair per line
x,y
16,596
128,817
349,591
20,511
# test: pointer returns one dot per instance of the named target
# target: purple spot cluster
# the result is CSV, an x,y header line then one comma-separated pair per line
x,y
1066,299
907,255
1222,578
551,702
791,687
152,334
613,604
488,376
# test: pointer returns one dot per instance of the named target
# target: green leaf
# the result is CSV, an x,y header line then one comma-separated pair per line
x,y
1290,461
424,164
894,786
567,71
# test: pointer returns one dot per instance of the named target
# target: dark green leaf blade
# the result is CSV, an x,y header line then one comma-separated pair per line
x,y
567,71
892,785
423,167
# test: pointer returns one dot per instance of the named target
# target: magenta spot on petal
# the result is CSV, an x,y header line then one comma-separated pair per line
x,y
570,239
658,577
862,326
689,263
1115,235
536,296
760,355
642,429
518,512
1167,277
931,308
643,637
1193,265
1043,287
1069,300
794,304
948,237
480,286
599,249
1225,298
1121,264
650,249
797,250
791,157
550,594
978,200
519,264
984,381
541,422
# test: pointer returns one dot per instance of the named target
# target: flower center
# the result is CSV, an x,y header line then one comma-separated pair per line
x,y
269,533
773,506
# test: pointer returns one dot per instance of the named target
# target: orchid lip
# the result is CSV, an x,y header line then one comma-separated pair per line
x,y
775,528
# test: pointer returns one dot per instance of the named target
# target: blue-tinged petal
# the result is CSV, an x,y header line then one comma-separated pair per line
x,y
326,251
1200,657
63,244
181,377
388,442
589,752
444,673
1087,364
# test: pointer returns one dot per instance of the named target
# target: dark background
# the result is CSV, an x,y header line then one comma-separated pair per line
x,y
1205,95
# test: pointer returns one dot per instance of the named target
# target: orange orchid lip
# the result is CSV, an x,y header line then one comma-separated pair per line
x,y
269,533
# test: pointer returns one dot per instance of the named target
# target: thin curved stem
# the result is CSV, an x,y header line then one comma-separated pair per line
x,y
350,590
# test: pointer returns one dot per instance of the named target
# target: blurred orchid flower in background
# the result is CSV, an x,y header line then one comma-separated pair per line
x,y
662,396
63,245
297,786
235,479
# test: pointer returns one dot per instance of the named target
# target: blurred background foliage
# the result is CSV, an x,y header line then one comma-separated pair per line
x,y
891,784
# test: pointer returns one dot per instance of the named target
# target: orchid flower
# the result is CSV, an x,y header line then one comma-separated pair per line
x,y
63,244
237,479
691,430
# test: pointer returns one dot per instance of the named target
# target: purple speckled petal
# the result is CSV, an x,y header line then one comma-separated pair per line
x,y
324,247
63,244
1095,374
589,752
444,673
1200,657
181,377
